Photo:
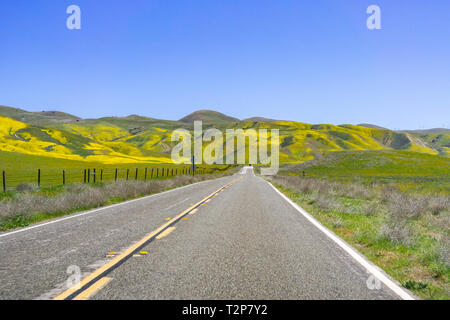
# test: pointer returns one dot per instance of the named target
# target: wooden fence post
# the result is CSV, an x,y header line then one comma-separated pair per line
x,y
95,175
145,175
101,175
89,175
115,177
39,178
84,175
128,172
136,174
4,181
64,177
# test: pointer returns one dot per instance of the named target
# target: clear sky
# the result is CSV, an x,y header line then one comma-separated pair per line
x,y
312,61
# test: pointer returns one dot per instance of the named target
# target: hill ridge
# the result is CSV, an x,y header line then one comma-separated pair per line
x,y
206,115
140,139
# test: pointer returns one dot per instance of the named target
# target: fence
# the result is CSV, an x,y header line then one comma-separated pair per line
x,y
53,177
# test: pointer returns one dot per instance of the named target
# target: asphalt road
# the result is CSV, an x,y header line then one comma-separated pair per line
x,y
246,242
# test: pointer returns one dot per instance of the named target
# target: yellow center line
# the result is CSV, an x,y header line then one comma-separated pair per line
x,y
128,252
165,233
96,287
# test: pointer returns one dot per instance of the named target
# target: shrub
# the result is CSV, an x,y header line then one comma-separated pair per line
x,y
371,208
397,230
439,204
407,206
444,249
23,187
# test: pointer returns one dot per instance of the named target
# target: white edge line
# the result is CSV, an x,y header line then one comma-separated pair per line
x,y
368,265
102,208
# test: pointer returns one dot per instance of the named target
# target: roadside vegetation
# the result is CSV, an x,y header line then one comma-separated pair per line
x,y
29,204
393,207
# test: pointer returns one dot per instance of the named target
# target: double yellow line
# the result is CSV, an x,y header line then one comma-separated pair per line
x,y
94,280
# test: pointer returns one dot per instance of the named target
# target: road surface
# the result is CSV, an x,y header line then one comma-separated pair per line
x,y
230,238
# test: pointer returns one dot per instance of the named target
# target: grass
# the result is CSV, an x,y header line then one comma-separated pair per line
x,y
410,171
23,168
403,233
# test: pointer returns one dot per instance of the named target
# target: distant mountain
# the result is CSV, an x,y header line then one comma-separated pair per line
x,y
259,119
208,116
372,126
433,130
37,118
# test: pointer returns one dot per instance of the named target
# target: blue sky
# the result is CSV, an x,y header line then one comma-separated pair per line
x,y
309,61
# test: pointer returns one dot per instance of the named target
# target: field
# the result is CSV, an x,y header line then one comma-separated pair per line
x,y
416,172
23,169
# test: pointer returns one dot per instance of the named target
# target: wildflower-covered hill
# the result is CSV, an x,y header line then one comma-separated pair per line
x,y
135,139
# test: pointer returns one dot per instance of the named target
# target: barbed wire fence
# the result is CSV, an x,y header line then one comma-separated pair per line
x,y
60,177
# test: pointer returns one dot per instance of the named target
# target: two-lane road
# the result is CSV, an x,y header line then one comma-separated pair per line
x,y
245,241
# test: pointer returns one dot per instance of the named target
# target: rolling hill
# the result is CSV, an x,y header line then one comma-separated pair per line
x,y
208,116
137,139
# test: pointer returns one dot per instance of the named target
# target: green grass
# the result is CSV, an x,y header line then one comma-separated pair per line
x,y
411,171
22,168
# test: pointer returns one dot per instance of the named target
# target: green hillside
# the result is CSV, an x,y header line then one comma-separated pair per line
x,y
439,139
409,170
136,139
